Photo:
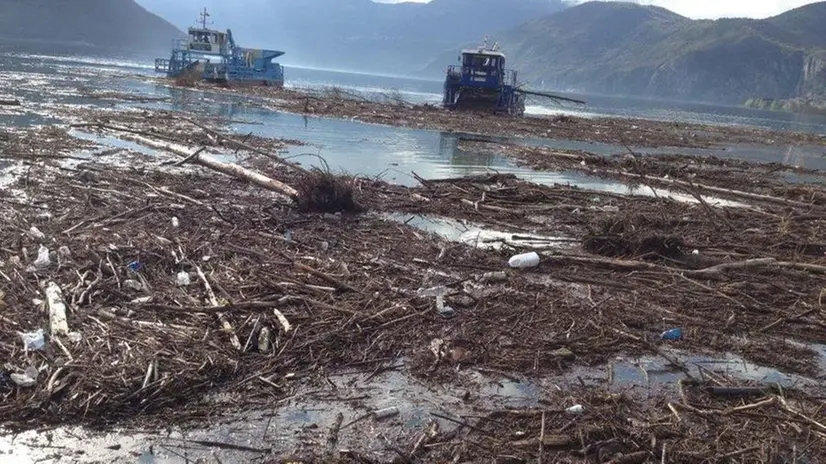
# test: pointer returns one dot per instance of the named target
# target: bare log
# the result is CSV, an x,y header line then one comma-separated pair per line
x,y
246,146
224,168
710,188
720,268
709,272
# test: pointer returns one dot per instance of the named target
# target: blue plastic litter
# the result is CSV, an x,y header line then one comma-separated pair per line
x,y
673,334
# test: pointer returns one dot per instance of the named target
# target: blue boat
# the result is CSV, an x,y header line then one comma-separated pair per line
x,y
211,55
481,83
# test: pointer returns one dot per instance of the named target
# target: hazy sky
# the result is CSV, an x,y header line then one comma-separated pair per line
x,y
711,8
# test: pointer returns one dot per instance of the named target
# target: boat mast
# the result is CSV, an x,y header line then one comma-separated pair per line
x,y
204,16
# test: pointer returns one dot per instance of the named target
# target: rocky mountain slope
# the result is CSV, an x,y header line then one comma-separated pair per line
x,y
107,25
628,49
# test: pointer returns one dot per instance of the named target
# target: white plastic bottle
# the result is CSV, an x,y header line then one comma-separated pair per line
x,y
524,260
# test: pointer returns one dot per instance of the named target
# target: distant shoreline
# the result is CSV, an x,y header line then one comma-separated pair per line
x,y
790,105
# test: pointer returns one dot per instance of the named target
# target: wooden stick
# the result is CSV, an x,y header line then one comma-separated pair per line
x,y
801,415
736,193
713,271
339,284
190,157
720,268
734,454
541,439
787,319
803,267
63,348
236,343
748,407
282,319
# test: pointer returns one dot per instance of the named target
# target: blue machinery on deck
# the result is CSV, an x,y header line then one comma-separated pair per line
x,y
482,83
232,65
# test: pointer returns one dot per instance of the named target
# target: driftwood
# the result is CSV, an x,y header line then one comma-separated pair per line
x,y
224,168
709,272
282,320
245,146
213,300
205,160
710,188
57,310
9,102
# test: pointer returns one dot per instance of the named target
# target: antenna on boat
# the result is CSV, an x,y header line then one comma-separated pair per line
x,y
204,16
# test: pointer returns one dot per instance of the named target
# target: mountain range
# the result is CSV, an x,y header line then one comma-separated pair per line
x,y
629,49
357,35
63,26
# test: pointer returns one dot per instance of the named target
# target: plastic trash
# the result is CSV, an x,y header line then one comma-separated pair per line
x,y
64,252
132,285
36,234
75,337
135,266
673,334
183,279
264,340
695,252
444,310
43,261
437,291
175,222
438,347
27,379
575,410
386,412
34,340
524,260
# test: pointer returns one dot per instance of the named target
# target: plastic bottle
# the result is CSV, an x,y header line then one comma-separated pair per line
x,y
524,260
575,410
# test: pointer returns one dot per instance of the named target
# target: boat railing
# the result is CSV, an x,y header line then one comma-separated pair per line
x,y
180,44
510,77
161,65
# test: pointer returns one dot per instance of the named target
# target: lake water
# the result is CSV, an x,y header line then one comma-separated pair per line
x,y
44,83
